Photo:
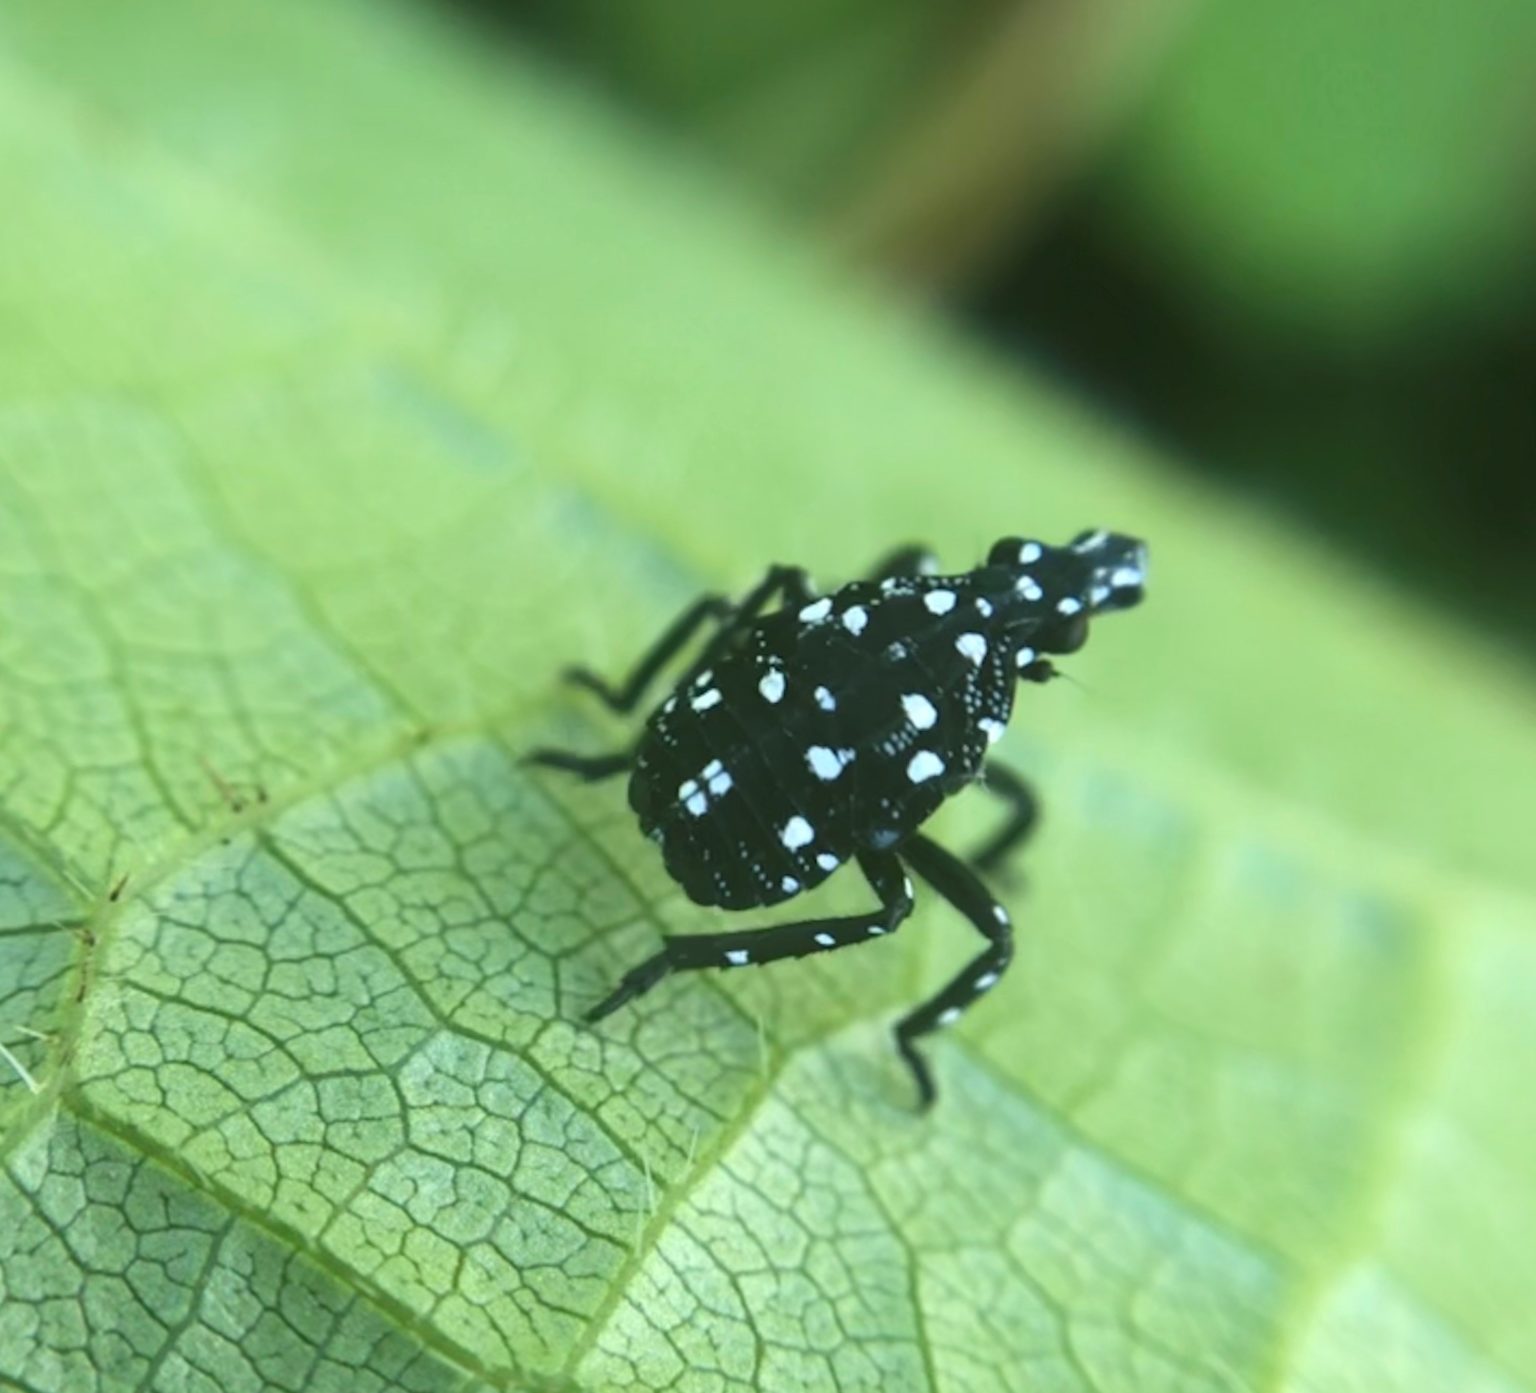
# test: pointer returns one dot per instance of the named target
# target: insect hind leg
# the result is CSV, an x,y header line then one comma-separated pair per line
x,y
753,947
958,884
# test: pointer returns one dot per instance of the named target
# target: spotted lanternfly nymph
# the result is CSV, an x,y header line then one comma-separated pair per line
x,y
830,728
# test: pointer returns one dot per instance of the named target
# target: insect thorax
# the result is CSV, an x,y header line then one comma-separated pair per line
x,y
830,728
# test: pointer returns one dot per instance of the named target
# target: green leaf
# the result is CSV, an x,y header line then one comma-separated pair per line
x,y
351,385
1355,172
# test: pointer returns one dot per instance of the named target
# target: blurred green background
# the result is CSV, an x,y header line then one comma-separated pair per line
x,y
1291,239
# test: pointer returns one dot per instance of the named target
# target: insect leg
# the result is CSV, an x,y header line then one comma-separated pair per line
x,y
1023,813
626,696
958,884
911,560
588,768
750,947
789,581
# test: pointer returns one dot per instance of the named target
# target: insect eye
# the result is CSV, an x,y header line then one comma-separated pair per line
x,y
1065,635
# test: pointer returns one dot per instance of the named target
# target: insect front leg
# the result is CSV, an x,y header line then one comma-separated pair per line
x,y
588,768
752,947
789,581
626,696
1023,814
958,884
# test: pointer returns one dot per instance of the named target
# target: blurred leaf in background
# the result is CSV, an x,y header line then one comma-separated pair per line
x,y
1296,238
1311,260
1359,172
356,375
796,96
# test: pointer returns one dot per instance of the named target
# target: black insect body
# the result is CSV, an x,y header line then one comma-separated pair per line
x,y
830,729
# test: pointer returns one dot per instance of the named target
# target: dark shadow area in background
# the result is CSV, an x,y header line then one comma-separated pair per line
x,y
1422,462
1418,461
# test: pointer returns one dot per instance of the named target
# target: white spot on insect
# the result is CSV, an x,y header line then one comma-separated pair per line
x,y
737,957
939,601
1028,587
1029,553
1000,914
906,886
696,804
875,930
920,711
1098,594
669,706
984,606
797,832
816,611
688,789
1024,657
972,646
993,729
825,699
720,781
1068,604
827,861
986,980
827,764
789,885
1126,575
771,685
704,678
711,769
855,619
826,940
949,1015
895,652
1091,541
705,700
924,765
